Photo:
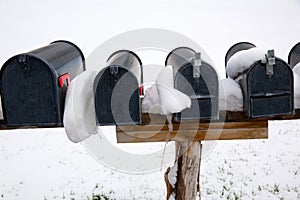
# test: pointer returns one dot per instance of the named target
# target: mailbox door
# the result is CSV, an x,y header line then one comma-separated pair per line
x,y
270,95
117,98
29,92
203,92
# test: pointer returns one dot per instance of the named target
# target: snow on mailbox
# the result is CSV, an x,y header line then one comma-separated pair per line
x,y
266,81
197,79
33,84
117,91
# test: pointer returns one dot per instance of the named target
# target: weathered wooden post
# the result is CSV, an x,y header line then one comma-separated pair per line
x,y
188,162
188,174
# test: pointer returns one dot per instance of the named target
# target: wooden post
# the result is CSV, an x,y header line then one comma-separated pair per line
x,y
188,161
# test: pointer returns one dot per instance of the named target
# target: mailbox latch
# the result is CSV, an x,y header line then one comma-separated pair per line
x,y
196,65
63,78
23,58
270,62
114,70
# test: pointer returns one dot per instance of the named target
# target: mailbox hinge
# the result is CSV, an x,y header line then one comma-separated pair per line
x,y
270,62
196,65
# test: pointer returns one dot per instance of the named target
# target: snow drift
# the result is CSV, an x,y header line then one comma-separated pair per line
x,y
162,98
242,60
230,95
230,92
79,115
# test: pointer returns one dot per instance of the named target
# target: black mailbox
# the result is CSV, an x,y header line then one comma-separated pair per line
x,y
294,55
116,90
33,84
197,79
268,88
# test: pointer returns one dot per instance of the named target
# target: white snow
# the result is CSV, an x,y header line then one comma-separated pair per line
x,y
242,60
230,95
172,196
296,71
172,176
151,101
172,100
162,98
44,164
79,115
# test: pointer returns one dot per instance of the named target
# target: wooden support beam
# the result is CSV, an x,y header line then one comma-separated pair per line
x,y
198,135
197,132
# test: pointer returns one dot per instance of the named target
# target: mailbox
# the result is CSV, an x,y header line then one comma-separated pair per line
x,y
197,79
267,86
294,55
33,84
116,90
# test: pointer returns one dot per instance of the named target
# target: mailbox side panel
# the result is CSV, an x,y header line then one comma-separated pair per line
x,y
63,56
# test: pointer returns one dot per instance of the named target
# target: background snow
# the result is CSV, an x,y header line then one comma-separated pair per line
x,y
42,163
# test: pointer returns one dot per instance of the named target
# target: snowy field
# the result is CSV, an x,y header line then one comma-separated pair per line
x,y
43,164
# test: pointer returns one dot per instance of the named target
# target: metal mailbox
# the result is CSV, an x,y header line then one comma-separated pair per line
x,y
294,55
197,79
33,84
268,88
117,91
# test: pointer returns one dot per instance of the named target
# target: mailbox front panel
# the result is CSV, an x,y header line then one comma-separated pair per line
x,y
203,92
269,95
29,96
117,98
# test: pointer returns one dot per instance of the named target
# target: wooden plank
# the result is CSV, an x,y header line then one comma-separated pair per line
x,y
193,126
226,116
4,127
189,135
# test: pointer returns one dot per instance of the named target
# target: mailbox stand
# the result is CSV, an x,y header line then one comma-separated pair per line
x,y
188,137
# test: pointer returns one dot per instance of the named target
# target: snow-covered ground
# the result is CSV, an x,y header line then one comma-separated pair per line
x,y
44,164
261,169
